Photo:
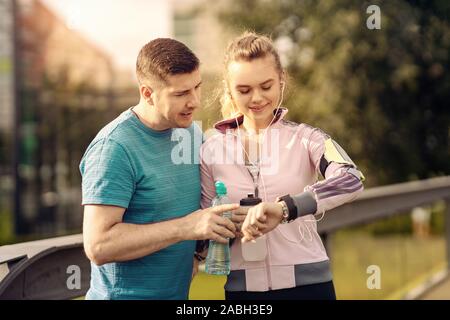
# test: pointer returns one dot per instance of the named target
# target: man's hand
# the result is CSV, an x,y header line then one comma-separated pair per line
x,y
238,218
261,219
208,224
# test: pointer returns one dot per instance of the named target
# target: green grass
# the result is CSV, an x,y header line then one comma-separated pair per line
x,y
401,258
207,287
6,228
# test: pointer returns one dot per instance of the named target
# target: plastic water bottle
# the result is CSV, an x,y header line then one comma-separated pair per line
x,y
218,259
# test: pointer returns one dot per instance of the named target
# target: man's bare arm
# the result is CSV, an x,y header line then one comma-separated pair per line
x,y
108,239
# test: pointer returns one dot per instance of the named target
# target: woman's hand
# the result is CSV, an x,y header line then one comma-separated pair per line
x,y
261,219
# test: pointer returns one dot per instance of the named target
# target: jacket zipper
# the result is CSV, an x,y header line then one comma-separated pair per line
x,y
269,277
268,273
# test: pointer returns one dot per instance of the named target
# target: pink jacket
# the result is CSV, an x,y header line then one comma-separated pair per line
x,y
292,161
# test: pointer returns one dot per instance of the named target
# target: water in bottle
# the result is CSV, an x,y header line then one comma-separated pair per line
x,y
218,259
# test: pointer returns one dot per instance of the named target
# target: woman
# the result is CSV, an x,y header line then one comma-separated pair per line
x,y
256,151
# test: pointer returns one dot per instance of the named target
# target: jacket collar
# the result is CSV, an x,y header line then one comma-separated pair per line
x,y
228,124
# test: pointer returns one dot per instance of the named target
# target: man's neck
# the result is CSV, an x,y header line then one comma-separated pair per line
x,y
149,117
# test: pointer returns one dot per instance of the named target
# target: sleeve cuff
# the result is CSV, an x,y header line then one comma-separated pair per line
x,y
306,203
105,202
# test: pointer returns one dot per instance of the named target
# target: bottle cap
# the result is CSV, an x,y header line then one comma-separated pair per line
x,y
250,201
220,188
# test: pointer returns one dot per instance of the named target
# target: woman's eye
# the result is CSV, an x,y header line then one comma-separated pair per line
x,y
266,88
244,91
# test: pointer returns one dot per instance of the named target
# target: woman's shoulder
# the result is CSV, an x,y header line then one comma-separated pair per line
x,y
300,128
212,137
304,132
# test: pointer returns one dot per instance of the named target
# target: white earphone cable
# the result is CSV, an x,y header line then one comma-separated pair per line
x,y
263,138
302,234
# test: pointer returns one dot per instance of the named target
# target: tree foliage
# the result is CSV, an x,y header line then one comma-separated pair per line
x,y
382,94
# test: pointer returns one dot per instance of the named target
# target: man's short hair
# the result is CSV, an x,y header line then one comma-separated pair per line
x,y
162,57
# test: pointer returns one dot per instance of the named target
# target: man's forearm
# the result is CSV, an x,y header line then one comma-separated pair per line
x,y
124,241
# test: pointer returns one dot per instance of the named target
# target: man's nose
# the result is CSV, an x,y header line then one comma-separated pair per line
x,y
194,101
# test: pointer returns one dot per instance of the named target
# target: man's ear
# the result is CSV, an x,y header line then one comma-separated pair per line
x,y
146,93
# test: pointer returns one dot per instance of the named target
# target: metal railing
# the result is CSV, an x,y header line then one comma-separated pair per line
x,y
42,269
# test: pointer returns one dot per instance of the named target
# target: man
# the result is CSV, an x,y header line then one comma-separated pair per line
x,y
141,216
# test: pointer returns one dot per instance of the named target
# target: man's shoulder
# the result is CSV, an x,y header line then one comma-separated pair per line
x,y
118,129
194,132
113,136
196,129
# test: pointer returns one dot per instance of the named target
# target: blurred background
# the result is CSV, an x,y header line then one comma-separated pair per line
x,y
67,69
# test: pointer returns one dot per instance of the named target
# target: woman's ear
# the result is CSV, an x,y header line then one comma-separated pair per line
x,y
282,82
283,79
227,89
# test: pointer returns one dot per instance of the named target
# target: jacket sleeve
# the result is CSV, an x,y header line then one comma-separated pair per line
x,y
342,181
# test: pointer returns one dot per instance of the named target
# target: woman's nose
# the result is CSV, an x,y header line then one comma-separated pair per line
x,y
257,97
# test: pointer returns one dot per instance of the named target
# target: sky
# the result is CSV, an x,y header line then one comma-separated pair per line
x,y
120,27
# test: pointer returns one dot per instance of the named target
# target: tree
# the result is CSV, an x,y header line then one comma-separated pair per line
x,y
383,94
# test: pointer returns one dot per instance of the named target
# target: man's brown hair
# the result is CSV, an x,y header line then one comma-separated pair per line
x,y
162,57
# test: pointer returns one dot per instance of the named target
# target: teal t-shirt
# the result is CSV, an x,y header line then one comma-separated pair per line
x,y
155,176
